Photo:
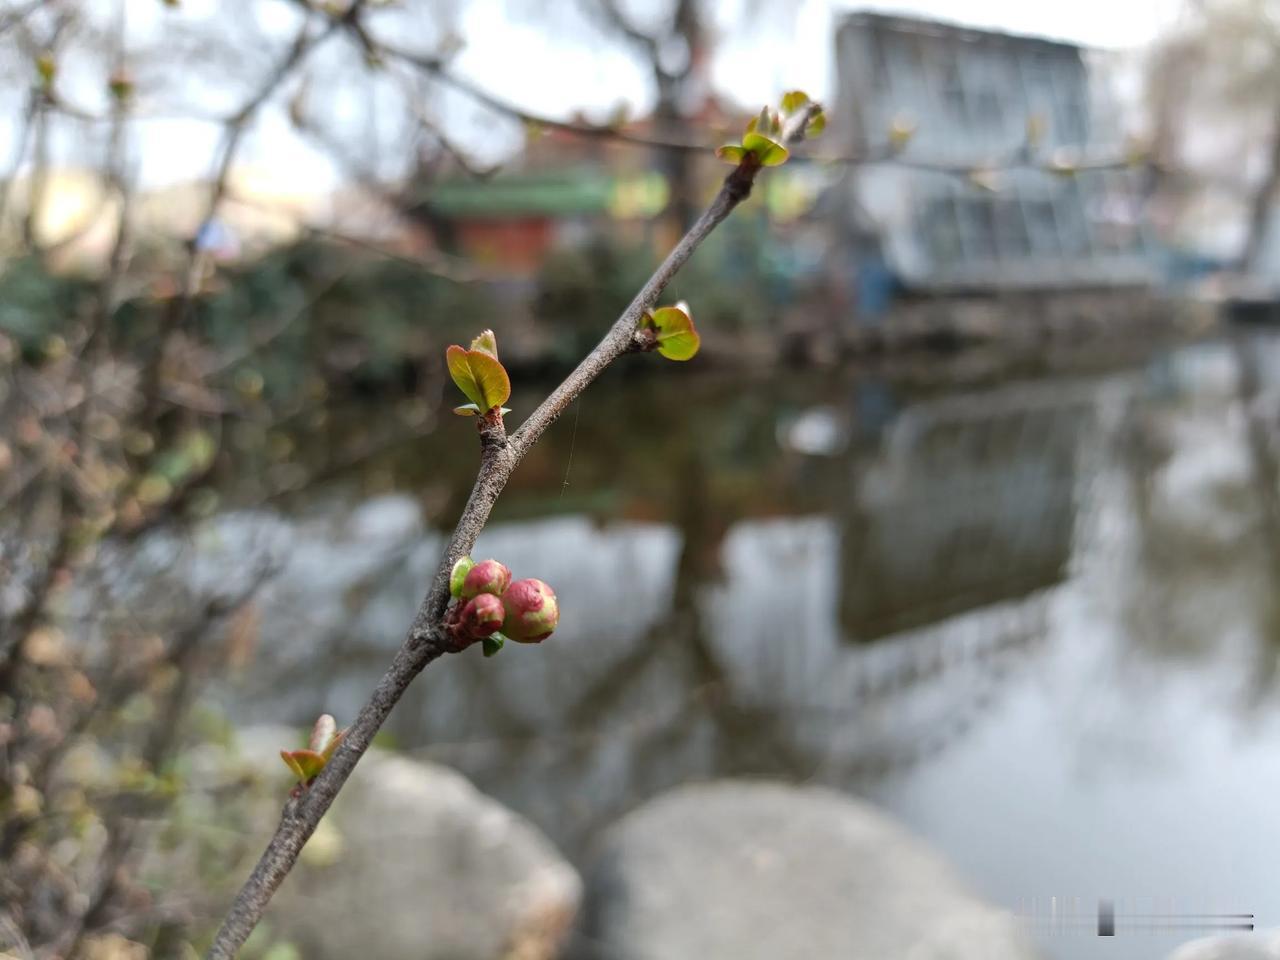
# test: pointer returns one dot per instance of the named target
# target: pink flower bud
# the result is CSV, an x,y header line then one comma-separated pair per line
x,y
531,611
481,616
487,576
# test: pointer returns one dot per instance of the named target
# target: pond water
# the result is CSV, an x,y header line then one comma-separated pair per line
x,y
1032,613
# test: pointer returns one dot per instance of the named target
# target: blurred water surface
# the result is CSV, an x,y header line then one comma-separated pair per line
x,y
1033,613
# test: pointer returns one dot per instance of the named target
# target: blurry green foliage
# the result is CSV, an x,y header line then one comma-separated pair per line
x,y
733,282
35,303
359,318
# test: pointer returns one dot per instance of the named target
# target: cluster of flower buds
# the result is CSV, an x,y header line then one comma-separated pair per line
x,y
491,608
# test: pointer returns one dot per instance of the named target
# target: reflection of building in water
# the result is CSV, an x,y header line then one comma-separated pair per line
x,y
851,712
970,95
967,504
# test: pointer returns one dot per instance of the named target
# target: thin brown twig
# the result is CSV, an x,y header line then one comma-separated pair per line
x,y
426,639
234,129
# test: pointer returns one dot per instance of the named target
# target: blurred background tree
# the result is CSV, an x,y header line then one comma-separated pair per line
x,y
1214,96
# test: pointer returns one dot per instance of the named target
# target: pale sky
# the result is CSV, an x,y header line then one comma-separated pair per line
x,y
806,47
510,53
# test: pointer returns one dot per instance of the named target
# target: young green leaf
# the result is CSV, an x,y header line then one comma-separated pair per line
x,y
731,153
479,376
305,764
459,574
770,153
676,336
793,100
493,643
817,123
292,764
471,410
486,343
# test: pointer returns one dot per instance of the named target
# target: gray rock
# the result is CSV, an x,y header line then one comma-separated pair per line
x,y
1264,945
753,870
414,863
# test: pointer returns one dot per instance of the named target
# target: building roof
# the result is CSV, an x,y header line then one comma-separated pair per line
x,y
942,28
564,194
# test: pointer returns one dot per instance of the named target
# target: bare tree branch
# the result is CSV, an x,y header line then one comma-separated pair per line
x,y
18,14
426,639
1016,158
19,149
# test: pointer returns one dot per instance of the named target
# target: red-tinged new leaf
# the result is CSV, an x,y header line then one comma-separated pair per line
x,y
731,153
327,753
306,764
324,730
677,338
479,376
292,764
467,410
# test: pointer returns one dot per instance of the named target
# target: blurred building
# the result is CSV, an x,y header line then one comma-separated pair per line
x,y
568,190
994,110
563,191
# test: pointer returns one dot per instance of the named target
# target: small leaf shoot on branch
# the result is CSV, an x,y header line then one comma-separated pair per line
x,y
762,140
1064,163
459,575
479,375
674,335
901,130
120,84
47,69
307,764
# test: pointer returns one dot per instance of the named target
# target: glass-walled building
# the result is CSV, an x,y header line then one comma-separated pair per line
x,y
995,218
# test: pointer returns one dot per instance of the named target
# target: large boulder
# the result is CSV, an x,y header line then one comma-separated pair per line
x,y
413,863
747,870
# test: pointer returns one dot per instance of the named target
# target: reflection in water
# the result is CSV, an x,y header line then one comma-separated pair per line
x,y
1036,619
967,504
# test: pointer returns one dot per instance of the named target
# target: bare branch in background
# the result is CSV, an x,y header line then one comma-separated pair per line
x,y
426,639
235,127
1017,157
26,125
14,17
38,182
